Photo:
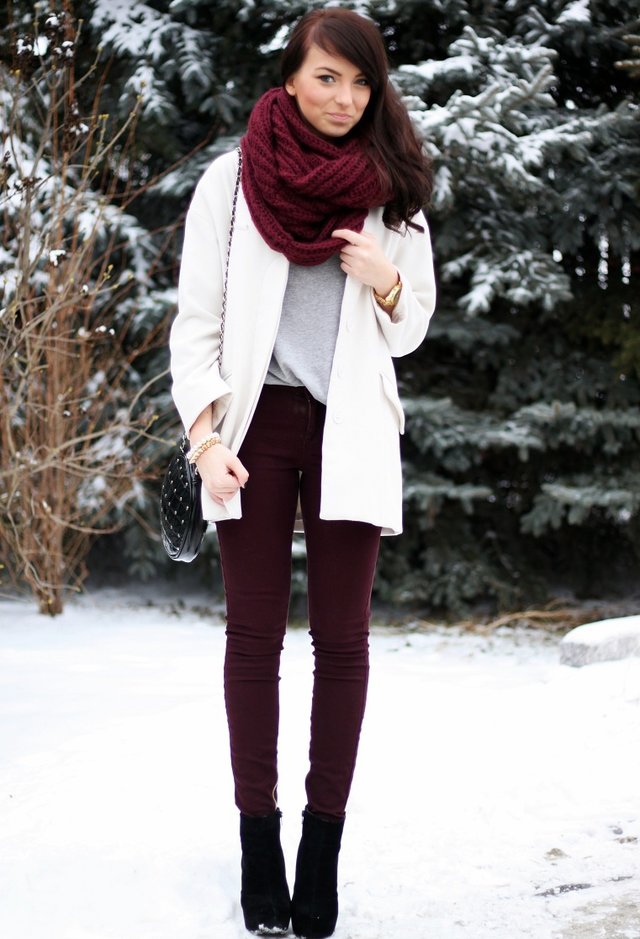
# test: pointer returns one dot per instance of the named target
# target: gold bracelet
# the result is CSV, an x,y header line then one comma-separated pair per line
x,y
209,441
389,302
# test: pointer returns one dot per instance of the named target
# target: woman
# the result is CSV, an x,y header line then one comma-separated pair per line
x,y
330,275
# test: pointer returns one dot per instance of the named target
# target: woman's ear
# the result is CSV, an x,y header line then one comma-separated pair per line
x,y
290,87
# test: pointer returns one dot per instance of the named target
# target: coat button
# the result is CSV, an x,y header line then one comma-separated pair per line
x,y
337,417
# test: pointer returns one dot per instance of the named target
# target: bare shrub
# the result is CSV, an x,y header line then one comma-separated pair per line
x,y
74,265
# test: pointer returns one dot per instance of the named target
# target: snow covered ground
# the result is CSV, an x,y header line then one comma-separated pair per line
x,y
497,794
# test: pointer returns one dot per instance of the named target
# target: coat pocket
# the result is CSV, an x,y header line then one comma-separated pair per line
x,y
390,391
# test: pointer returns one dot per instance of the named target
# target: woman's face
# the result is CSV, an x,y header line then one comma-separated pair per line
x,y
331,92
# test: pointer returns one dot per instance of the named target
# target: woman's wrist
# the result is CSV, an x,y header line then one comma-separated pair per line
x,y
202,425
386,283
389,301
201,446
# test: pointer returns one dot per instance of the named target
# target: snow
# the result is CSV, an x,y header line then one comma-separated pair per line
x,y
601,641
576,12
455,67
495,786
56,256
126,25
277,42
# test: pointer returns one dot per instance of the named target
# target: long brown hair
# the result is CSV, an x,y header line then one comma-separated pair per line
x,y
385,126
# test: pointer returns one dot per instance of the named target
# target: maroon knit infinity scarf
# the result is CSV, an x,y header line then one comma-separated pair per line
x,y
300,187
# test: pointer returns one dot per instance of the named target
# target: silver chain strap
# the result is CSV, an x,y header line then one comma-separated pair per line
x,y
223,312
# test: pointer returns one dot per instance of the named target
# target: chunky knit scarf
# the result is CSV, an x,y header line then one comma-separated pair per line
x,y
300,187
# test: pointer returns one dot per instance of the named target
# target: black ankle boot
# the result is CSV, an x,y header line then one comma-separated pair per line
x,y
314,907
264,894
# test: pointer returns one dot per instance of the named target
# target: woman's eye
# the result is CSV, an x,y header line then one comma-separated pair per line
x,y
326,78
363,81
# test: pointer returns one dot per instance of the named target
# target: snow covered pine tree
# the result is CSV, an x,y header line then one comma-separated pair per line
x,y
522,454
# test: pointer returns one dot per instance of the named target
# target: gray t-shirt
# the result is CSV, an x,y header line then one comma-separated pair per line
x,y
306,340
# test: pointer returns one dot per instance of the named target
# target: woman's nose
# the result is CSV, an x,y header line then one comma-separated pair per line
x,y
344,95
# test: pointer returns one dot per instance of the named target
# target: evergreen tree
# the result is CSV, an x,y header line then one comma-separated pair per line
x,y
522,457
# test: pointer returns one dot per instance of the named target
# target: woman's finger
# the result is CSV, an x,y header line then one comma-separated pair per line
x,y
238,470
353,237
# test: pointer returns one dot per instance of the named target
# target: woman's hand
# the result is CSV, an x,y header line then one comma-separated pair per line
x,y
363,258
222,473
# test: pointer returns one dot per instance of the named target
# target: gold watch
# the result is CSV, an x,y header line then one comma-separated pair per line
x,y
389,302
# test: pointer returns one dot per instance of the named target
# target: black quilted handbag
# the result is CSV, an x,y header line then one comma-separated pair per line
x,y
182,526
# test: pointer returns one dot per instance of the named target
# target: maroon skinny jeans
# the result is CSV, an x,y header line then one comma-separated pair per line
x,y
282,452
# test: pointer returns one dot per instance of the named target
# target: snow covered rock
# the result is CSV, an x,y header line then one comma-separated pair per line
x,y
602,641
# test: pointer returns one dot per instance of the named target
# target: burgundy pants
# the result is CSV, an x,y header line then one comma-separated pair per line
x,y
282,452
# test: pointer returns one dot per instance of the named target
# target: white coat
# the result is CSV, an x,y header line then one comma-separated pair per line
x,y
361,469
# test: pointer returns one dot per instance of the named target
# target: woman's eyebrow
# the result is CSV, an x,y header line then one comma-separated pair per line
x,y
333,71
